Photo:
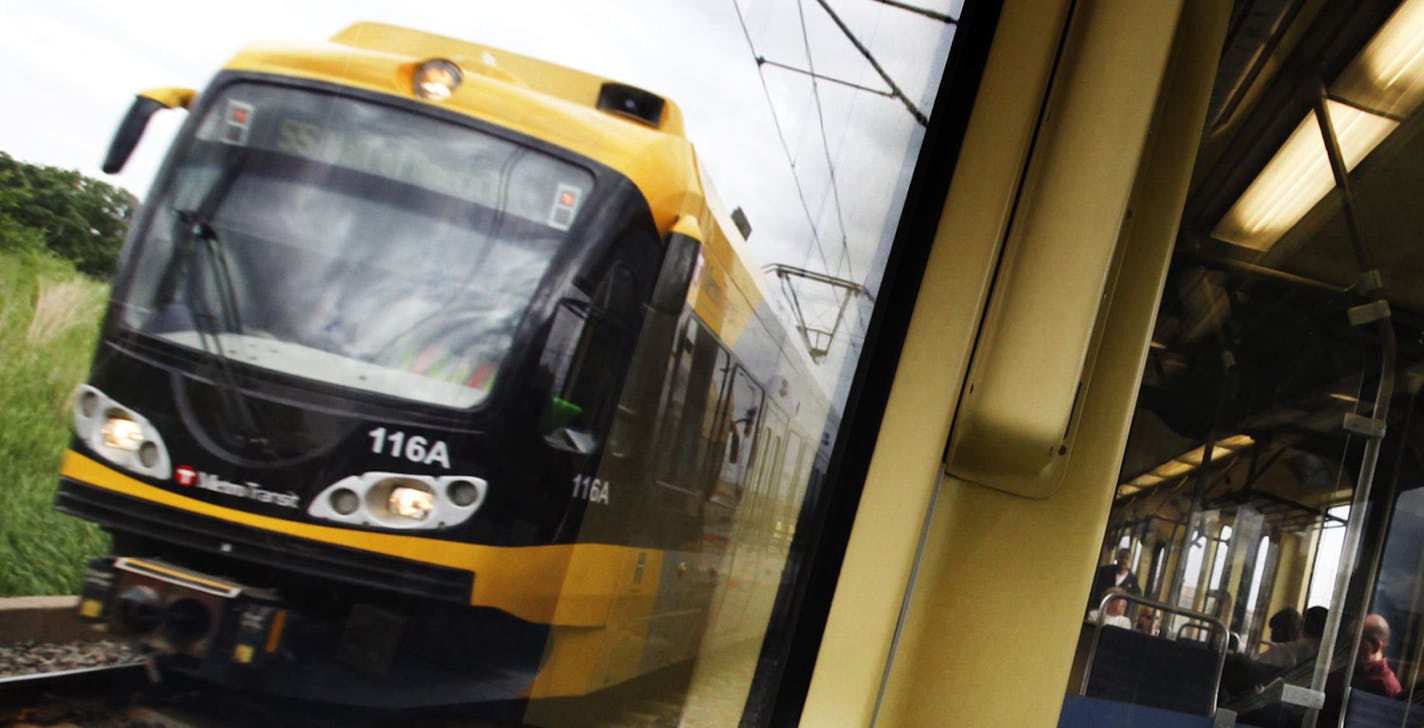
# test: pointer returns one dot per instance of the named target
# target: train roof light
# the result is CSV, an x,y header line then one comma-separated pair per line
x,y
436,79
1385,82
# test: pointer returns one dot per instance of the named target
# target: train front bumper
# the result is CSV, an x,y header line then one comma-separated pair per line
x,y
173,610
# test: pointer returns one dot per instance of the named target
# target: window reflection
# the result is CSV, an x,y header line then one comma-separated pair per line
x,y
391,343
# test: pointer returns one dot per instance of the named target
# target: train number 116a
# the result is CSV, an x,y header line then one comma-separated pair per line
x,y
591,489
414,448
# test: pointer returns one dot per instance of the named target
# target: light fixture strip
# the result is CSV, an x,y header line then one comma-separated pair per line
x,y
1383,83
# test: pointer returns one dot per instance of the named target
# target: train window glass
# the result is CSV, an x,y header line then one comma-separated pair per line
x,y
1398,595
403,260
601,349
565,332
1159,564
348,242
1330,544
1307,411
1255,598
788,485
1220,547
741,408
691,413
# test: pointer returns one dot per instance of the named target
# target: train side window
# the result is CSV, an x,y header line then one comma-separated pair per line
x,y
789,485
700,367
564,334
740,411
588,342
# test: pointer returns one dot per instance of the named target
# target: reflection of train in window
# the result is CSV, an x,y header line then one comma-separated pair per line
x,y
408,393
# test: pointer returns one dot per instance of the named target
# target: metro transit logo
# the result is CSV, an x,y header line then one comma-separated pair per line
x,y
188,476
185,475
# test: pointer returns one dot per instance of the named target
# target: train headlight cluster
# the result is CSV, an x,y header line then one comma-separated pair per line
x,y
119,434
395,500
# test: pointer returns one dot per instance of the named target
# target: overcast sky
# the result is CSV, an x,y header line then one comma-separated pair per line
x,y
73,66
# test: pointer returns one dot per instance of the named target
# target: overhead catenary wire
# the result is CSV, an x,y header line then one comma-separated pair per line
x,y
781,135
870,58
825,146
941,17
846,262
832,79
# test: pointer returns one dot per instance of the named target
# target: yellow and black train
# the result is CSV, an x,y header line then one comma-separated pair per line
x,y
432,374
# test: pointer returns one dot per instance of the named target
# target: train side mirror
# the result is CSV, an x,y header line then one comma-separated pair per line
x,y
679,261
136,120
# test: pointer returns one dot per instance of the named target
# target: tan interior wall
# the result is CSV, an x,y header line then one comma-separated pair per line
x,y
1002,581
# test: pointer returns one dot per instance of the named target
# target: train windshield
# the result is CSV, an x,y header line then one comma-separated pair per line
x,y
349,242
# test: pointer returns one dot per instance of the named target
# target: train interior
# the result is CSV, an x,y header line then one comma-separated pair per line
x,y
1276,461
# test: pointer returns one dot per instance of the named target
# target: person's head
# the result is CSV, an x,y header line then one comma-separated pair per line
x,y
1374,638
1285,625
1145,617
1122,558
1116,607
1313,625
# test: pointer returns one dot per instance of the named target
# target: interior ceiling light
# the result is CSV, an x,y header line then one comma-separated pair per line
x,y
1299,176
1189,461
1173,469
1236,442
1387,78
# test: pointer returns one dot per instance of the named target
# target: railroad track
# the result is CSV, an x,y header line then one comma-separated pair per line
x,y
127,696
137,695
130,694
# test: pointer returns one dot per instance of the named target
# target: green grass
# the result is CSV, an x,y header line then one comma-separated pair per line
x,y
49,319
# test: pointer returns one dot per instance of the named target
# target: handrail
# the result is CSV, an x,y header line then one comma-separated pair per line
x,y
1183,627
1196,617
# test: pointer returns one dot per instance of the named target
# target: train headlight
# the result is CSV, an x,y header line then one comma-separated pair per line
x,y
398,500
410,501
436,79
119,434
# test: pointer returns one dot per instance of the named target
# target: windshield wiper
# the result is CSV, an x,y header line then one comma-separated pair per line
x,y
196,237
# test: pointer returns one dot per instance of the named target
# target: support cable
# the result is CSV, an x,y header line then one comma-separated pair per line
x,y
909,105
941,17
781,135
831,79
826,147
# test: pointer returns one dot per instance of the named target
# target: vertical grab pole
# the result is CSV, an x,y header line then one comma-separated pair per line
x,y
1377,312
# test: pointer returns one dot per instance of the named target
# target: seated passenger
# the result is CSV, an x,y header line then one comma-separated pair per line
x,y
1115,612
1301,649
1147,621
1372,673
1285,625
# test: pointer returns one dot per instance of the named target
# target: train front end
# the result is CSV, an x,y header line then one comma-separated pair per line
x,y
358,371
